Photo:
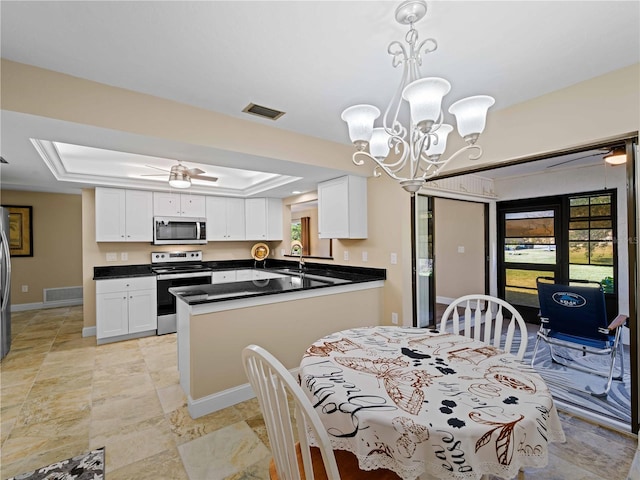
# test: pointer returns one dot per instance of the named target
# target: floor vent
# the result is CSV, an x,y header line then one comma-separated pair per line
x,y
63,296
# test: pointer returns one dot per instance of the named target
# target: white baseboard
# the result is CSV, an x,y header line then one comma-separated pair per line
x,y
89,331
40,305
217,401
444,300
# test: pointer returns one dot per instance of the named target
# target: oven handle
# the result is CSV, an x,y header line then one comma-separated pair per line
x,y
171,276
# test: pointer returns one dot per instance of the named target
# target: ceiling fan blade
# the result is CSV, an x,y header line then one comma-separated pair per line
x,y
153,175
157,168
194,171
204,177
573,160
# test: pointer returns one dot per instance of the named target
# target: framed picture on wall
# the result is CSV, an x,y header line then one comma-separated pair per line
x,y
20,231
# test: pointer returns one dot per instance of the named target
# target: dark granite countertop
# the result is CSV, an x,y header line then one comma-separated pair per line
x,y
344,272
122,271
292,280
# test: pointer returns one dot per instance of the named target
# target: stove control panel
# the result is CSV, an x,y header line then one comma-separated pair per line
x,y
164,257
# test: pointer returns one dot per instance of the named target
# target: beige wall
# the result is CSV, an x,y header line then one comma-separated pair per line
x,y
596,109
57,246
583,113
458,224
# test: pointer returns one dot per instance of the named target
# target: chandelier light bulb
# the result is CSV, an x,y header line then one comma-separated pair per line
x,y
379,144
439,143
425,100
360,120
471,115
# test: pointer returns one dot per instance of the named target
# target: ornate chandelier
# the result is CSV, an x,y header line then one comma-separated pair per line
x,y
418,149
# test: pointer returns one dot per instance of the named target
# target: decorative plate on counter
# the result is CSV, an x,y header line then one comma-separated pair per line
x,y
260,251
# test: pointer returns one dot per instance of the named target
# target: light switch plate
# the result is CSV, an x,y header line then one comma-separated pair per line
x,y
365,256
112,257
394,258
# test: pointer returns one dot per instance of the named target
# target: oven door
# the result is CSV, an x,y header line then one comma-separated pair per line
x,y
167,302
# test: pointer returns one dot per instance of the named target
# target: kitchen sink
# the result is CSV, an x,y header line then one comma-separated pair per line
x,y
313,274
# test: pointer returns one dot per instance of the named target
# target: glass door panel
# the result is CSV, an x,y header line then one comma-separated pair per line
x,y
425,300
520,287
529,237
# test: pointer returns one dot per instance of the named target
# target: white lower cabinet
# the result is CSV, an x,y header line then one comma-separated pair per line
x,y
125,306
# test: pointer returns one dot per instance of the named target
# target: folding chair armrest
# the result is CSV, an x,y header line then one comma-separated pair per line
x,y
618,322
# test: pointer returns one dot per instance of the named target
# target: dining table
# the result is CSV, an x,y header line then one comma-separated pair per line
x,y
429,404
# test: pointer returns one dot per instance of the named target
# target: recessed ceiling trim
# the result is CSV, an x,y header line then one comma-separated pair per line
x,y
51,157
264,112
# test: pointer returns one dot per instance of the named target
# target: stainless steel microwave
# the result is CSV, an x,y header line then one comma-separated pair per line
x,y
179,230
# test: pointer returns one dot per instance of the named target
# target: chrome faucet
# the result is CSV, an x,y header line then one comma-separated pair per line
x,y
301,260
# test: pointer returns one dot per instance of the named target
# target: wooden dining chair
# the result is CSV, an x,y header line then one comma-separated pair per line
x,y
287,411
484,318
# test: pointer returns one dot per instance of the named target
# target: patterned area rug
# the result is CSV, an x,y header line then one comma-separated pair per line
x,y
89,466
569,385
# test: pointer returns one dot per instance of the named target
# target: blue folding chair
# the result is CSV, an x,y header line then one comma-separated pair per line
x,y
575,317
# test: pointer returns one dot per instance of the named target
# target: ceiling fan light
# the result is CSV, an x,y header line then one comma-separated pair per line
x,y
179,180
616,156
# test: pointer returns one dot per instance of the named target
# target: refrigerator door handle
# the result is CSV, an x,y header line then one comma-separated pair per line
x,y
7,281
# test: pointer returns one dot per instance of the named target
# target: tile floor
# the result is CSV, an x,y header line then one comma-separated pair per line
x,y
62,395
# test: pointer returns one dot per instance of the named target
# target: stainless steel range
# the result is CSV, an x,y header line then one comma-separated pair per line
x,y
176,269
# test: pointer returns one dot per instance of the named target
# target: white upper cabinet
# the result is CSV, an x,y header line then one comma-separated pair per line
x,y
225,219
124,215
171,204
342,208
263,218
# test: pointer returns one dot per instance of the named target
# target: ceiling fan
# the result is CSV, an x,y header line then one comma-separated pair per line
x,y
181,176
605,153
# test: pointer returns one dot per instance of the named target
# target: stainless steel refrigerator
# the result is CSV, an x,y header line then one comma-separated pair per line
x,y
5,284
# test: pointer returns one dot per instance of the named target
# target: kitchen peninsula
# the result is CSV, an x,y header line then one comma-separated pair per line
x,y
284,314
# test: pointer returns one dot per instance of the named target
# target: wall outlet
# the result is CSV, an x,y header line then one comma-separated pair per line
x,y
346,255
394,258
25,288
112,257
124,256
394,318
365,256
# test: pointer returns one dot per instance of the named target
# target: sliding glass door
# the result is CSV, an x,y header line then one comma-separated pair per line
x,y
423,261
568,237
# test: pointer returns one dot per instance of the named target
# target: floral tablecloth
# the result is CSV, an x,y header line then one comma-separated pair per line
x,y
418,401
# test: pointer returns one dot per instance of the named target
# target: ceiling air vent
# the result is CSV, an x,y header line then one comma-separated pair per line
x,y
263,112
